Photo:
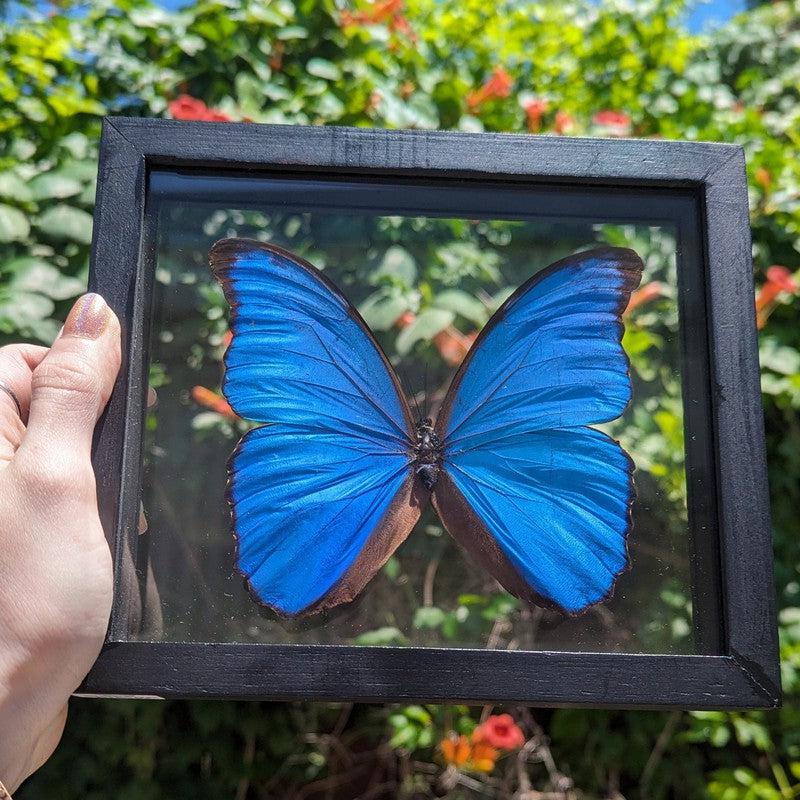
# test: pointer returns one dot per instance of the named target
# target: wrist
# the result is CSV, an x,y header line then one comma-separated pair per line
x,y
22,717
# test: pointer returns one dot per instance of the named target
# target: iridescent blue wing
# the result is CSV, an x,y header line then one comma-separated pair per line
x,y
323,493
538,498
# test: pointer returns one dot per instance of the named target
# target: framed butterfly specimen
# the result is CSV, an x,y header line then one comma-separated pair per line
x,y
537,497
482,413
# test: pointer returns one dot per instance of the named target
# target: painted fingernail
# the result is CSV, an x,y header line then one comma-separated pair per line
x,y
88,317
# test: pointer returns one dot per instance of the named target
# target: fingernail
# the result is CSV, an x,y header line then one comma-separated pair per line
x,y
88,317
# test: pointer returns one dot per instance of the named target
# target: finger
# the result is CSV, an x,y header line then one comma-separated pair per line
x,y
72,383
17,362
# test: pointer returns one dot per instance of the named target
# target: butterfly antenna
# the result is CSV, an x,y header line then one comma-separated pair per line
x,y
425,390
412,393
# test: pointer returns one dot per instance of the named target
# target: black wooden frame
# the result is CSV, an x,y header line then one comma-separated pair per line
x,y
737,664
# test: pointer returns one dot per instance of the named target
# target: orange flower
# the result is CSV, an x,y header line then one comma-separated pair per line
x,y
186,107
500,731
374,101
399,24
483,757
455,749
564,122
389,12
779,279
535,109
380,12
763,178
646,294
458,752
450,342
497,86
213,401
405,319
407,89
276,56
453,345
615,123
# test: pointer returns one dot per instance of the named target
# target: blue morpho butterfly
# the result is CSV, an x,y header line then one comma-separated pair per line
x,y
324,494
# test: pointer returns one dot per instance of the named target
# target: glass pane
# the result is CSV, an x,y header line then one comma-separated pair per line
x,y
393,267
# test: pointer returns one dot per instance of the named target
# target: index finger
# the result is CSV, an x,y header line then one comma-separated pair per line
x,y
17,362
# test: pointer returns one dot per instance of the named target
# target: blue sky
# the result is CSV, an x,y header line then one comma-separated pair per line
x,y
714,13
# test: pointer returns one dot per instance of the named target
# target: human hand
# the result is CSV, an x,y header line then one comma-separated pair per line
x,y
55,564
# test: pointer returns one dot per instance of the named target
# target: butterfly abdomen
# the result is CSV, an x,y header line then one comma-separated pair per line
x,y
427,453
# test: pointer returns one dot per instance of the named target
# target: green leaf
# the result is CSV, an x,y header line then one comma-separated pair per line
x,y
638,340
463,304
79,170
66,222
33,108
54,185
781,359
77,144
89,193
329,106
292,32
13,187
14,225
191,45
424,327
23,149
381,637
381,311
250,92
322,68
498,298
398,265
149,17
403,738
428,617
418,714
33,274
24,310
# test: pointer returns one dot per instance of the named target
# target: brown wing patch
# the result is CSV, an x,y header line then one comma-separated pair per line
x,y
464,525
393,529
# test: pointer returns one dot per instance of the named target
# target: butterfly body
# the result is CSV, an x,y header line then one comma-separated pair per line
x,y
339,473
427,453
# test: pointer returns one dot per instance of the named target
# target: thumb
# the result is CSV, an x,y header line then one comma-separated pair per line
x,y
71,385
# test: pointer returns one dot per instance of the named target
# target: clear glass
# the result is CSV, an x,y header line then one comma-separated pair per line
x,y
393,267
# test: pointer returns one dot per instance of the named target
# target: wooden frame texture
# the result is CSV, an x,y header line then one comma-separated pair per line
x,y
736,665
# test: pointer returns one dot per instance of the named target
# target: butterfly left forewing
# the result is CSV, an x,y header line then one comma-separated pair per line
x,y
539,499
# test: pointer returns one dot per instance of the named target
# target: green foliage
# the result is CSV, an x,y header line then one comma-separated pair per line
x,y
297,61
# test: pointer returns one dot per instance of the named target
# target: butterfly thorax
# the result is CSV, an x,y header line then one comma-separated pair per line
x,y
427,453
